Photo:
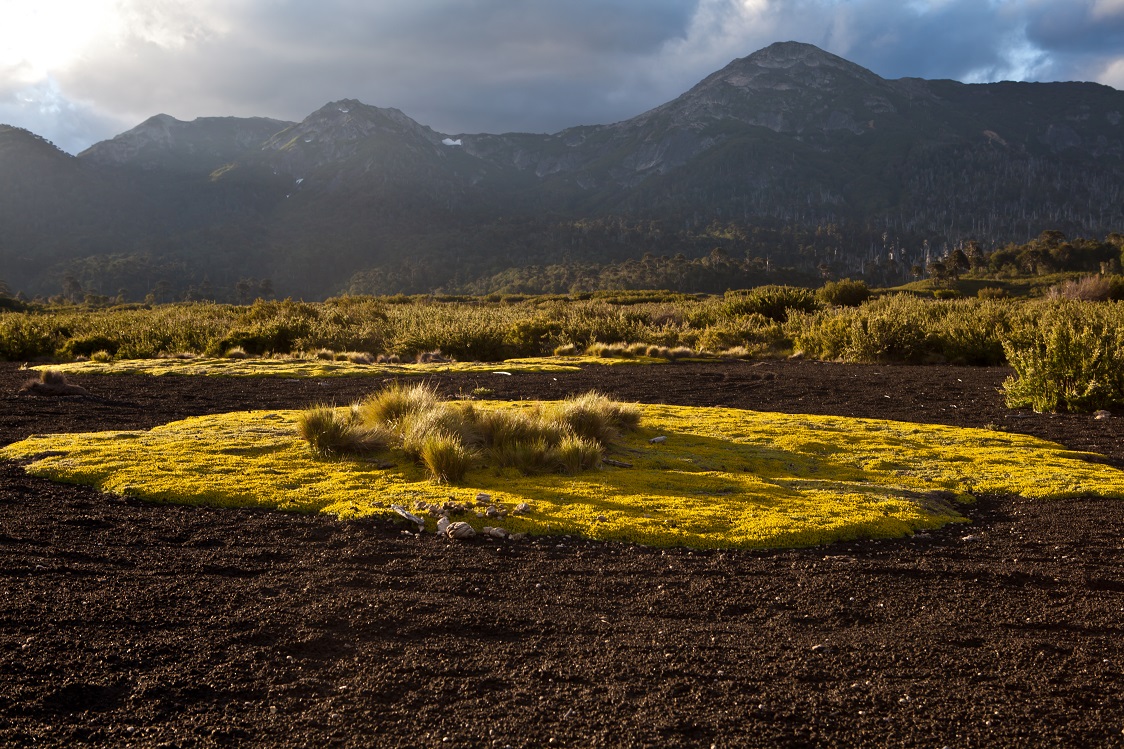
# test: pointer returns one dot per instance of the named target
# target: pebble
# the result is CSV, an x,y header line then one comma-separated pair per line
x,y
1102,415
658,440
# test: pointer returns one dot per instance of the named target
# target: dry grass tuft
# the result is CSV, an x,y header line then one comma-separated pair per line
x,y
332,432
52,382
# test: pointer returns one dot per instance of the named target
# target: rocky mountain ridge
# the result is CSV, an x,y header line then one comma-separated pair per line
x,y
788,141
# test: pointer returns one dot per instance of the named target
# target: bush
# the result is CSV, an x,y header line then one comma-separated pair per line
x,y
88,345
1089,289
845,293
1068,358
774,302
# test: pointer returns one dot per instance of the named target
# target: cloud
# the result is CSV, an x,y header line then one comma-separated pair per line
x,y
42,109
495,65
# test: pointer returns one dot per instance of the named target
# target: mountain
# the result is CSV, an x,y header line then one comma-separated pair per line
x,y
201,146
791,153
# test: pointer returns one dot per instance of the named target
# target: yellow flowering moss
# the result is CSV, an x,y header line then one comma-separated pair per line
x,y
299,368
722,477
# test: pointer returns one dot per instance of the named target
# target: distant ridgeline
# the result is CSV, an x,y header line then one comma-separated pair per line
x,y
789,165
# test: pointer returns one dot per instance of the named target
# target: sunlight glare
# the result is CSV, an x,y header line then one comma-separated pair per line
x,y
37,38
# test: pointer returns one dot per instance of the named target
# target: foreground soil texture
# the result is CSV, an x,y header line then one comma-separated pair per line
x,y
128,624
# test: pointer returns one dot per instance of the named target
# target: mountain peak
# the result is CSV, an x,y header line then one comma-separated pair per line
x,y
786,65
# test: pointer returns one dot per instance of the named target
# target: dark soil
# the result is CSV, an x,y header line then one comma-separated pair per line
x,y
125,623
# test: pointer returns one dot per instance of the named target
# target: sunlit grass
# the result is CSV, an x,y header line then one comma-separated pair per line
x,y
722,478
320,368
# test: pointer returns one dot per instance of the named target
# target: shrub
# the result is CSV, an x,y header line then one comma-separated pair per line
x,y
993,292
1089,288
1069,358
102,356
237,352
774,302
845,293
90,344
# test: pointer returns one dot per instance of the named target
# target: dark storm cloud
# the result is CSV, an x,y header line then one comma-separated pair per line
x,y
475,65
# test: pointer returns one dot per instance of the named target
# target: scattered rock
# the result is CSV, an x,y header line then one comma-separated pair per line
x,y
494,512
1099,415
821,648
601,518
483,499
494,532
521,509
407,514
658,440
443,524
460,531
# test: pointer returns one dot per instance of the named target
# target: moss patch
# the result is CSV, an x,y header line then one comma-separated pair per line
x,y
299,368
722,478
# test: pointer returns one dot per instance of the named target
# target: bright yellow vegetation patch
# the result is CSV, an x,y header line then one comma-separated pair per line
x,y
722,478
299,368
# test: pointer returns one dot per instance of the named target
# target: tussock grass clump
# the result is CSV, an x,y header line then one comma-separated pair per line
x,y
52,382
333,432
450,438
356,357
235,352
395,401
445,457
595,417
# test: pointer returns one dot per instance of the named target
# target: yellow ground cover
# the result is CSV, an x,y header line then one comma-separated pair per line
x,y
299,368
722,477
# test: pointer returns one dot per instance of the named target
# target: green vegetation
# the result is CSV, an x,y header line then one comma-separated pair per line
x,y
375,336
722,477
1072,359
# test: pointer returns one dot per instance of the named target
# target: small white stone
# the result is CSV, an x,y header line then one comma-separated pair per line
x,y
442,525
658,440
522,508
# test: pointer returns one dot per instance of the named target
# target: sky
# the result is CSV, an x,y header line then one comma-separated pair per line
x,y
80,71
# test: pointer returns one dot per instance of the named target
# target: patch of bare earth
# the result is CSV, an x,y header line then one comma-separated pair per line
x,y
131,624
